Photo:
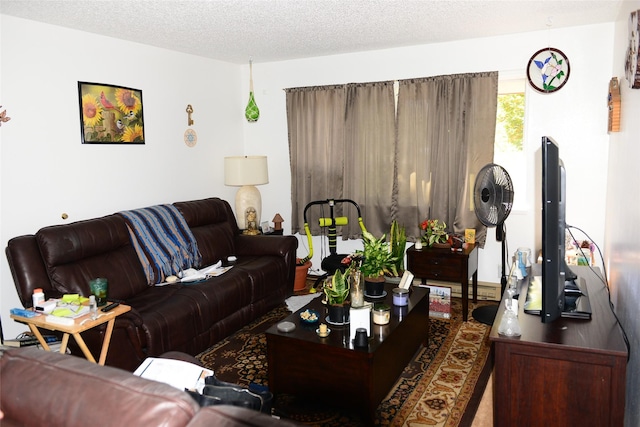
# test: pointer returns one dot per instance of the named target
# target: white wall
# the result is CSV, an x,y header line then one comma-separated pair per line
x,y
575,116
622,213
45,170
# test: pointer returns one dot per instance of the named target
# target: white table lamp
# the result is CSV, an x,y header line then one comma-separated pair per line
x,y
246,172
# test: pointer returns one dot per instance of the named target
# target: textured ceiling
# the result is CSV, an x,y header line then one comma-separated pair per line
x,y
275,30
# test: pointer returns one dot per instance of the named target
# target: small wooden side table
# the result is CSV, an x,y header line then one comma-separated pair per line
x,y
448,266
80,325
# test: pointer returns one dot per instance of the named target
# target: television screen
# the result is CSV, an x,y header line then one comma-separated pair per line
x,y
558,291
553,226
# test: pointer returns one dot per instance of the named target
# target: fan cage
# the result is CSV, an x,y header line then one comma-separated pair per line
x,y
493,195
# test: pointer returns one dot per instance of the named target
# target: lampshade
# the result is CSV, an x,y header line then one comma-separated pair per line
x,y
247,172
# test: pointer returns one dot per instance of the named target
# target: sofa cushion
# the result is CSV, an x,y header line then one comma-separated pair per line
x,y
179,317
261,271
213,225
76,253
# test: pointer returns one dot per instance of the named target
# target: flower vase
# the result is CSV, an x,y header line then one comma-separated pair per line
x,y
357,289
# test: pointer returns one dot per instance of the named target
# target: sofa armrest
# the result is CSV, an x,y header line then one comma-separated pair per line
x,y
28,269
265,245
45,388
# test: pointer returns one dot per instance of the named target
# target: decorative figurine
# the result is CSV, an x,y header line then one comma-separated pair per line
x,y
277,222
252,223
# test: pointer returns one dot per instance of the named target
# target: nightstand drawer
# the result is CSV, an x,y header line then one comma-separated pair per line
x,y
444,271
435,267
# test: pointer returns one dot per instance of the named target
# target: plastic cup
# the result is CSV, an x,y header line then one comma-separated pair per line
x,y
99,287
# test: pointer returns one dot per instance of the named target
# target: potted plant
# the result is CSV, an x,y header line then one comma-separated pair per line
x,y
302,269
336,290
398,243
377,260
435,233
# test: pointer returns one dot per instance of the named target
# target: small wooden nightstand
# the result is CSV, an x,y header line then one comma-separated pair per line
x,y
447,266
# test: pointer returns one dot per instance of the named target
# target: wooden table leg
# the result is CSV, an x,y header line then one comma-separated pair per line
x,y
84,348
475,286
106,341
38,335
65,343
465,299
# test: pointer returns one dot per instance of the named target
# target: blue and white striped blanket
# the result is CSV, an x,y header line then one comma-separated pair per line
x,y
163,241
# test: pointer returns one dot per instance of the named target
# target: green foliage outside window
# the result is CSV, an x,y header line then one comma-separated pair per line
x,y
510,122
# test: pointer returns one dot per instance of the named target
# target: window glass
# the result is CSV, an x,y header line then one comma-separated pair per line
x,y
509,143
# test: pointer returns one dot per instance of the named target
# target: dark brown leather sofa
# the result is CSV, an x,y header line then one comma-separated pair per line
x,y
180,317
40,388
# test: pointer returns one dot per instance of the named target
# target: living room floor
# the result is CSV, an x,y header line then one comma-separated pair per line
x,y
484,414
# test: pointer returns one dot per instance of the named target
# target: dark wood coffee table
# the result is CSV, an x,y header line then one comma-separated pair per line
x,y
302,363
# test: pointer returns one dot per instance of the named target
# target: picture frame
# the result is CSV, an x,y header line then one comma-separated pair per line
x,y
110,114
631,69
548,70
439,301
406,280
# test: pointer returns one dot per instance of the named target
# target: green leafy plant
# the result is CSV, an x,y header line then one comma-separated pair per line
x,y
435,231
337,289
377,258
398,243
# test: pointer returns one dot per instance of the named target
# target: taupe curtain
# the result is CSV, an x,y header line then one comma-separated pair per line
x,y
347,141
315,117
446,131
370,149
342,144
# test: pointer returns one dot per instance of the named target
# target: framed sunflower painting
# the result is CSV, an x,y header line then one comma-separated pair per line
x,y
110,114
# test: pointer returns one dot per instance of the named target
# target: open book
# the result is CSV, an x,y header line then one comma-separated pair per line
x,y
177,373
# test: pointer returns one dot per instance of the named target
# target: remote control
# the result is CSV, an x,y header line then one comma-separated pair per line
x,y
110,307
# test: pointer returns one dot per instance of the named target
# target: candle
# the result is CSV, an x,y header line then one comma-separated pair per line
x,y
418,245
323,329
381,314
400,296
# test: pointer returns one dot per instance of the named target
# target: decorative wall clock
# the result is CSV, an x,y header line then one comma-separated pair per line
x,y
548,70
190,137
631,65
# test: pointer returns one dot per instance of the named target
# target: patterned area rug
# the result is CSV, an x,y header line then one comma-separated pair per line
x,y
436,388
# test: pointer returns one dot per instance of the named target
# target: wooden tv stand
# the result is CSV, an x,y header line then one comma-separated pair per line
x,y
568,372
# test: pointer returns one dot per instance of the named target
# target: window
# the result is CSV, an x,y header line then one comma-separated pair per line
x,y
509,143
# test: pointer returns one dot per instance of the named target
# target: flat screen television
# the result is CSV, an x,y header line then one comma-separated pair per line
x,y
558,292
553,230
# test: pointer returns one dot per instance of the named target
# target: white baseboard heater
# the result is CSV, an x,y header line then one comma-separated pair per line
x,y
487,291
